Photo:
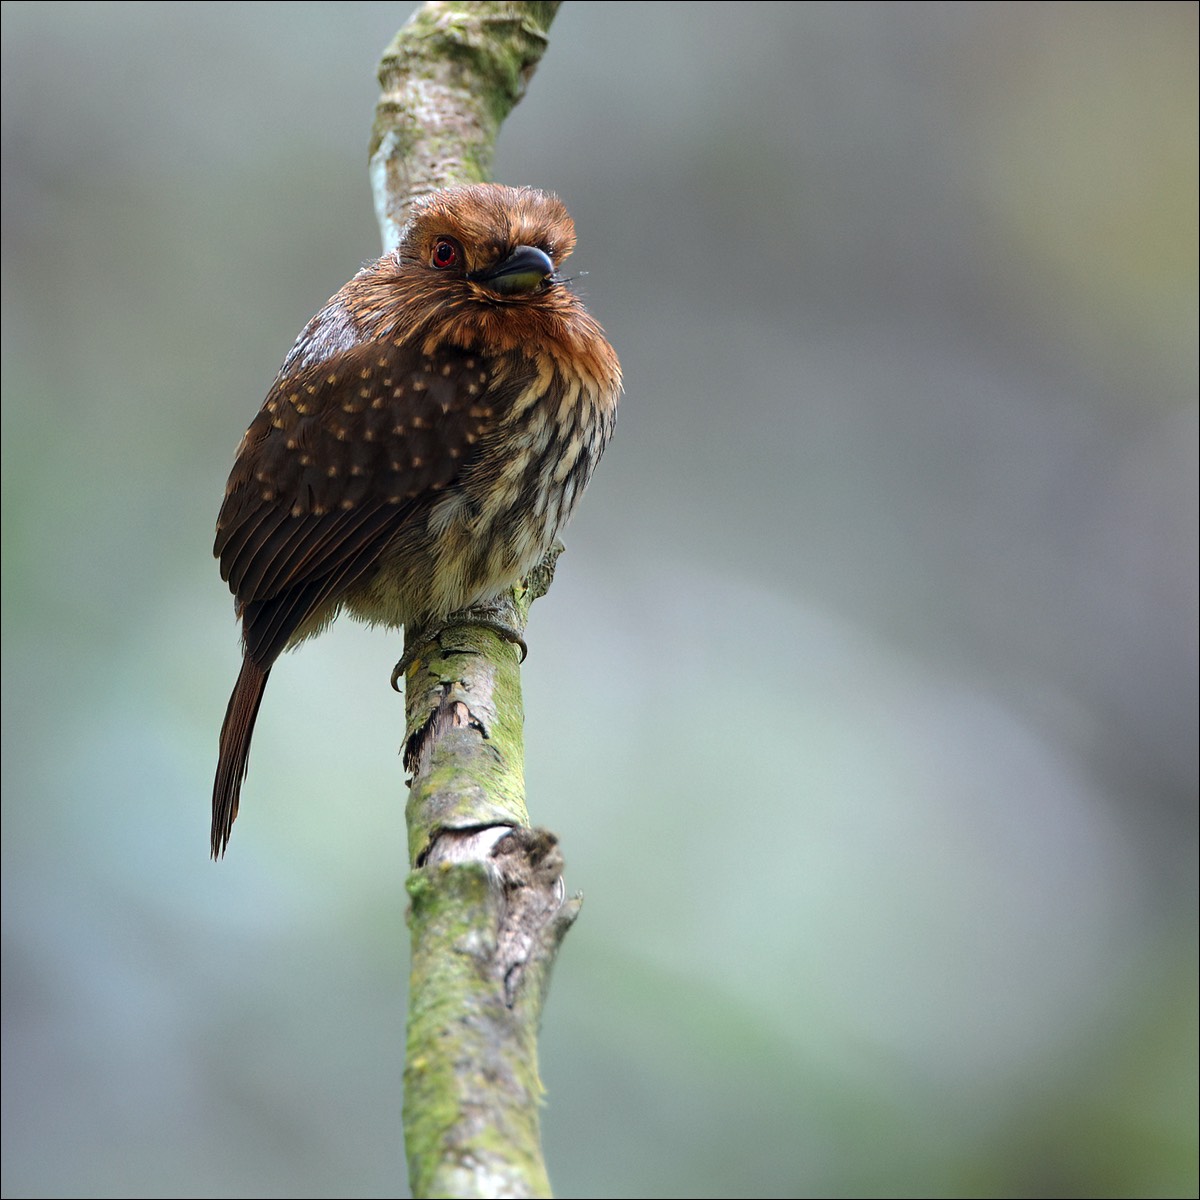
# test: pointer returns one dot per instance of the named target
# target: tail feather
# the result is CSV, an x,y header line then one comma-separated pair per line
x,y
234,757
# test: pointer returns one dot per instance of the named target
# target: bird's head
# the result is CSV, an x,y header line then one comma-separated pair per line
x,y
494,243
476,267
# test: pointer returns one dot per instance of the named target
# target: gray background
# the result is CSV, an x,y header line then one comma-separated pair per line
x,y
864,702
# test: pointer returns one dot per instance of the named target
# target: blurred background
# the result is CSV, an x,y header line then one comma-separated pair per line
x,y
865,701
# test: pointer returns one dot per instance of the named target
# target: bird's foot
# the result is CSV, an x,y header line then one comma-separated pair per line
x,y
486,616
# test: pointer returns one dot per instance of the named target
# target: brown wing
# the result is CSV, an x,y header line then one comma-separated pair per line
x,y
341,455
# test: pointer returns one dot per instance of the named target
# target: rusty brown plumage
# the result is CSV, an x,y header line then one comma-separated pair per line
x,y
428,435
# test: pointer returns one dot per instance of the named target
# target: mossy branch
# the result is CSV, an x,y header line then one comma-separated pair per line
x,y
488,905
449,78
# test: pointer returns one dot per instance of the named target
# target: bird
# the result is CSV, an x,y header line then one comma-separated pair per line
x,y
428,435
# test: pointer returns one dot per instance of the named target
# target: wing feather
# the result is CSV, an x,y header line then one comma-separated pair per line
x,y
341,457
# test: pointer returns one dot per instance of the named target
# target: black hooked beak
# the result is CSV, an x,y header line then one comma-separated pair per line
x,y
524,270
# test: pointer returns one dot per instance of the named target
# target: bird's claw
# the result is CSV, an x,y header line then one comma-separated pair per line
x,y
420,638
401,668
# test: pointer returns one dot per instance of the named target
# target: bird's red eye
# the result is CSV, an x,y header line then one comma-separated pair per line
x,y
445,253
